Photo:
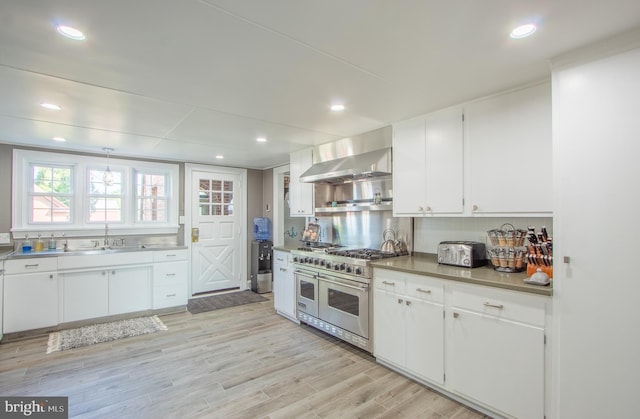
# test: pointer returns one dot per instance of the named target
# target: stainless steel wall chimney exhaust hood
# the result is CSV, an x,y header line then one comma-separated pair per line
x,y
360,166
363,156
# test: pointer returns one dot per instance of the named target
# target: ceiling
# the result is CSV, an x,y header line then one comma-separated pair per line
x,y
186,80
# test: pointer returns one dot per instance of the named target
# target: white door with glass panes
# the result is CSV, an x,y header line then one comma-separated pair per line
x,y
216,255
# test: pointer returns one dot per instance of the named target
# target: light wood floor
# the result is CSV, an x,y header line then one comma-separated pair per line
x,y
241,362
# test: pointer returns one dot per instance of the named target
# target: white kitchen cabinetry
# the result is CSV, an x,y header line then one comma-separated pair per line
x,y
129,289
509,151
170,278
105,284
284,286
85,295
496,349
301,197
409,323
30,294
428,164
88,294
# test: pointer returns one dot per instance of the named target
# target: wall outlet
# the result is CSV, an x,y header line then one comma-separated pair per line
x,y
5,238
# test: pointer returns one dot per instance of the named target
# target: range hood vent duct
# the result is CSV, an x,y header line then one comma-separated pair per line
x,y
351,168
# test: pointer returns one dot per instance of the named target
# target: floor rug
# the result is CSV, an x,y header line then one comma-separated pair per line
x,y
103,332
216,302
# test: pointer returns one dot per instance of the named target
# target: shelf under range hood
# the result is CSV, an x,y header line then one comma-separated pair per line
x,y
386,205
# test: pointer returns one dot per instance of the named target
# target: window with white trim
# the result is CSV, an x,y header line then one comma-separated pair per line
x,y
62,193
50,194
151,197
104,199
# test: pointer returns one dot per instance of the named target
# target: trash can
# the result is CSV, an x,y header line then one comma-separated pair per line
x,y
264,282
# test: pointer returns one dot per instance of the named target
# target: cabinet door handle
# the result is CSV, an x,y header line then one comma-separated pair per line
x,y
498,306
393,284
32,266
170,295
399,300
103,273
113,272
408,302
425,291
51,276
456,315
475,207
172,274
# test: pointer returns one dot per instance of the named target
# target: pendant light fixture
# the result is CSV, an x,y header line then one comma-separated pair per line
x,y
107,176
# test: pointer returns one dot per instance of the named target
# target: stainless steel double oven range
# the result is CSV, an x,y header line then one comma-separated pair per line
x,y
333,291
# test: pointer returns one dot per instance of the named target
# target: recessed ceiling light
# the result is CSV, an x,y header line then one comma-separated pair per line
x,y
219,156
337,108
261,140
71,33
59,139
51,106
523,31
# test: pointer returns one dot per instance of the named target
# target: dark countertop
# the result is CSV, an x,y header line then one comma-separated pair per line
x,y
426,264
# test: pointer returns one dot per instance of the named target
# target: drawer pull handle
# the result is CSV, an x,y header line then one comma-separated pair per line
x,y
171,274
425,291
171,255
171,295
34,265
393,284
498,306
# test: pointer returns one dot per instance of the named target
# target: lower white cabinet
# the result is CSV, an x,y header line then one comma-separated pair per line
x,y
497,350
409,323
488,350
284,286
30,298
129,289
105,292
85,295
170,284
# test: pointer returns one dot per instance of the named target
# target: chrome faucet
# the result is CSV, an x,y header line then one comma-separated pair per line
x,y
106,234
66,242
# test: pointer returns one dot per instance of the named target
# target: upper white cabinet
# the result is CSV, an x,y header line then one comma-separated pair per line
x,y
428,164
300,194
509,152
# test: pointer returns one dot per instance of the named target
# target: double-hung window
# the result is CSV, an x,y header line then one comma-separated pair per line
x,y
151,197
50,194
105,198
75,194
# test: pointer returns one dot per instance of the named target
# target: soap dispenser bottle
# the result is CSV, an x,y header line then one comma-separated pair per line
x,y
26,245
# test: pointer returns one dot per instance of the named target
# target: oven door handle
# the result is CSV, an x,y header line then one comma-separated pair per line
x,y
301,273
363,288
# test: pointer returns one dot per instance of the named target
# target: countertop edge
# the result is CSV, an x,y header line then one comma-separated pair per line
x,y
429,266
56,253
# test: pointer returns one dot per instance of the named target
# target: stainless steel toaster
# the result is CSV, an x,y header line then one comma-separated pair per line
x,y
462,253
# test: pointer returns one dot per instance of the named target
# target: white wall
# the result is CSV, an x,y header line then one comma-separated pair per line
x,y
428,232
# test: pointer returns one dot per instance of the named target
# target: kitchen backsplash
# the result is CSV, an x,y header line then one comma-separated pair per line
x,y
428,232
